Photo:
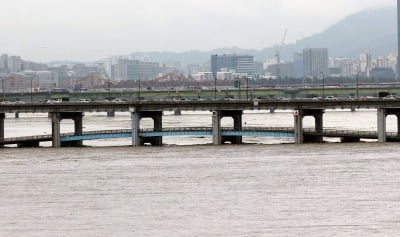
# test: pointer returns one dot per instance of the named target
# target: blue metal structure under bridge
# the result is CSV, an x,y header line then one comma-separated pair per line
x,y
192,131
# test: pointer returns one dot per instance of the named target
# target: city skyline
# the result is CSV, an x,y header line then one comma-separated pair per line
x,y
71,30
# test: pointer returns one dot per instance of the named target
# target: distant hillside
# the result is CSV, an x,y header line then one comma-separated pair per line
x,y
373,31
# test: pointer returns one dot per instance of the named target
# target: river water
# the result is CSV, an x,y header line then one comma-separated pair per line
x,y
269,188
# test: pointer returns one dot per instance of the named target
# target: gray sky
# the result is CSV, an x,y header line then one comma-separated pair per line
x,y
85,30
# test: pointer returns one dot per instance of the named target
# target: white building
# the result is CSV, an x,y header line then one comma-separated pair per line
x,y
350,68
15,63
3,62
202,76
365,64
315,62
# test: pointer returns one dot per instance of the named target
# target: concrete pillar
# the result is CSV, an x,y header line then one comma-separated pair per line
x,y
298,127
319,125
237,125
2,117
135,119
319,122
398,124
216,124
177,112
157,118
381,125
78,122
55,129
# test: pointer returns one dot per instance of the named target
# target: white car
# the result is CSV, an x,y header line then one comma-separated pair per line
x,y
331,97
117,101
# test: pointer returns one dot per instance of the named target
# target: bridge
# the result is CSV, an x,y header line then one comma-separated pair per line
x,y
281,132
369,90
219,108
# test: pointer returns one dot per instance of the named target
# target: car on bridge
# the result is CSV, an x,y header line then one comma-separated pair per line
x,y
330,97
117,101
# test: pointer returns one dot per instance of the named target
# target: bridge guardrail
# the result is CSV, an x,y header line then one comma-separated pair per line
x,y
329,132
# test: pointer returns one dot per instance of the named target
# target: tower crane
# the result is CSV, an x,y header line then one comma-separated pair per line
x,y
278,54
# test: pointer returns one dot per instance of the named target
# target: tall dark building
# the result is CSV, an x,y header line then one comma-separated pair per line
x,y
232,63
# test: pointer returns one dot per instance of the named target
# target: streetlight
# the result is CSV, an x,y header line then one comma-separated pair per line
x,y
215,86
357,85
3,87
32,89
323,85
139,89
247,87
109,87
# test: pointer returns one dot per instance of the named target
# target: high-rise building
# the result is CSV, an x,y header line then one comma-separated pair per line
x,y
127,69
315,62
286,70
14,63
241,64
365,64
298,65
350,68
3,62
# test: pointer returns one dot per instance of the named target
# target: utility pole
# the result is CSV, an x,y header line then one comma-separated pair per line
x,y
139,88
357,94
109,87
31,89
323,85
3,87
215,86
247,85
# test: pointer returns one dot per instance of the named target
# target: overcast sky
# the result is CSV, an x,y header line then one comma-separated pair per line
x,y
85,30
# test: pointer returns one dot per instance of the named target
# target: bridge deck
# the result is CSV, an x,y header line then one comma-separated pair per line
x,y
202,131
200,105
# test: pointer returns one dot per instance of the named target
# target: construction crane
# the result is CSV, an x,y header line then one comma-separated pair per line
x,y
278,55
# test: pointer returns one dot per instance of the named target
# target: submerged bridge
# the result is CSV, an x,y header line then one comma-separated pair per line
x,y
227,134
219,108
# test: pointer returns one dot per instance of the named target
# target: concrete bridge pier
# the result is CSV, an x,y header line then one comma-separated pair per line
x,y
135,119
56,128
136,116
298,125
216,127
2,118
78,128
382,115
236,115
177,112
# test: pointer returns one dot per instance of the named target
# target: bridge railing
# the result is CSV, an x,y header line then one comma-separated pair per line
x,y
38,137
308,131
240,129
347,133
178,129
